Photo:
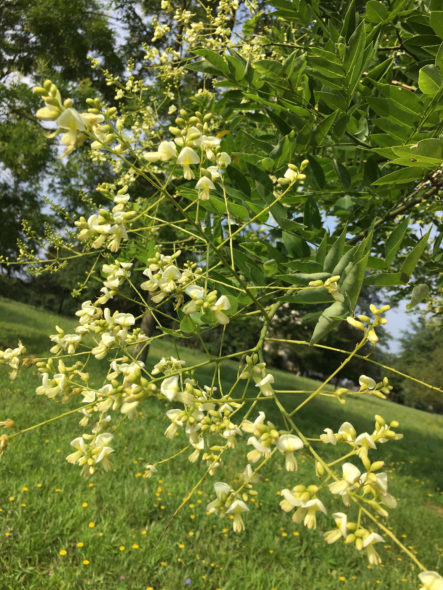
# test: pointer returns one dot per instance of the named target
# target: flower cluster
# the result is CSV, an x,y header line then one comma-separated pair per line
x,y
116,274
199,416
228,502
367,386
113,330
197,148
364,323
375,484
12,358
293,174
60,380
351,532
331,286
207,302
167,365
108,228
255,370
304,498
90,450
347,434
73,125
165,278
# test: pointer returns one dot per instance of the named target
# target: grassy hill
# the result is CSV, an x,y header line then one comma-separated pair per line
x,y
58,530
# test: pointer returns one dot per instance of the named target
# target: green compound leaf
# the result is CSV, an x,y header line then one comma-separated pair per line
x,y
419,294
330,318
429,80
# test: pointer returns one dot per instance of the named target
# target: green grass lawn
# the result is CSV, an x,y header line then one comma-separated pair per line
x,y
114,531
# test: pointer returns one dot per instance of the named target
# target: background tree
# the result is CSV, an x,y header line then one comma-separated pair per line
x,y
421,355
38,38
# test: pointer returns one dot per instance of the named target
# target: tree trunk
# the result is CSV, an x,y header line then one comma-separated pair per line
x,y
141,352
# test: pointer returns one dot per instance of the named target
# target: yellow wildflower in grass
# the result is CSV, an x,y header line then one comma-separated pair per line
x,y
86,562
91,525
79,544
62,552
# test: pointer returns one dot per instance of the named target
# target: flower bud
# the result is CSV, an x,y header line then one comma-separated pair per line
x,y
40,91
377,465
8,423
319,469
366,462
4,441
52,101
372,336
354,323
364,318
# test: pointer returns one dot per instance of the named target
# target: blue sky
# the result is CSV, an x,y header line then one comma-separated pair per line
x,y
399,320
